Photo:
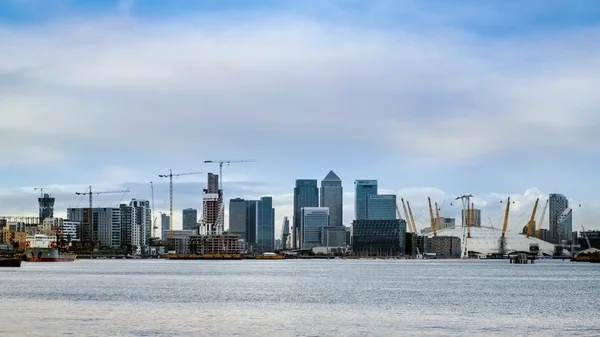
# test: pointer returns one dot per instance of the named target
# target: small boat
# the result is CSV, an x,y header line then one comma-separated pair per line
x,y
10,262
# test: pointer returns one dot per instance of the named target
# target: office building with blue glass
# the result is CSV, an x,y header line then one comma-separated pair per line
x,y
313,219
363,188
265,225
381,206
306,194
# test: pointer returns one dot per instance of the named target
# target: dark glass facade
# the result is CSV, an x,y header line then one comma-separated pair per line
x,y
306,194
379,237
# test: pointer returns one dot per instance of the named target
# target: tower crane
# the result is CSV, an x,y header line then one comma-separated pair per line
x,y
221,219
154,227
530,226
90,193
433,229
170,176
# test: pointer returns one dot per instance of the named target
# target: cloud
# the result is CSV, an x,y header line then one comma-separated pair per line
x,y
109,99
458,95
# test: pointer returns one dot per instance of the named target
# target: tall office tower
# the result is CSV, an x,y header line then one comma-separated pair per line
x,y
265,225
237,218
381,207
190,219
251,222
558,203
212,204
363,188
306,194
285,233
105,228
332,197
164,224
46,204
313,219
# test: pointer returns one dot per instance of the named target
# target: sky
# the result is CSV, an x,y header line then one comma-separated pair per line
x,y
431,98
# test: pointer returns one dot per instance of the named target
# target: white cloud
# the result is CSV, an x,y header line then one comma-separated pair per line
x,y
446,98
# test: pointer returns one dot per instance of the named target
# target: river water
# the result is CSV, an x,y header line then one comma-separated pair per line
x,y
300,298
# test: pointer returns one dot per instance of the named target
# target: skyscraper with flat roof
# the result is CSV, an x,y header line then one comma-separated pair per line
x,y
306,194
237,217
332,197
557,204
381,206
190,218
363,188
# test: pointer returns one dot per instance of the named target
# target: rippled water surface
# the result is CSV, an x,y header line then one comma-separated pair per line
x,y
300,298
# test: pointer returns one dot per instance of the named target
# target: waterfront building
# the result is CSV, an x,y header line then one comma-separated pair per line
x,y
379,237
312,220
362,189
333,236
136,225
178,240
332,197
238,221
189,218
381,207
557,204
251,223
306,194
66,229
105,227
448,246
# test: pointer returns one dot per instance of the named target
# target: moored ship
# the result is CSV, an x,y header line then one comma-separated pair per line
x,y
43,248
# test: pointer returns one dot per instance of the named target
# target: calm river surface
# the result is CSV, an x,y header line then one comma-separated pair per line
x,y
300,298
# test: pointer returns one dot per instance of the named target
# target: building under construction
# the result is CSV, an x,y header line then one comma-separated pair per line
x,y
212,207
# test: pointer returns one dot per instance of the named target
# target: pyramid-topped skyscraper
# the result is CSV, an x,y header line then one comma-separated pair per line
x,y
332,197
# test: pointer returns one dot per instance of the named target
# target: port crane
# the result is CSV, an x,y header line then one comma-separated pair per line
x,y
221,219
530,224
541,221
170,176
90,193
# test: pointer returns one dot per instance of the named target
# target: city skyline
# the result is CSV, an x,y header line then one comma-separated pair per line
x,y
380,95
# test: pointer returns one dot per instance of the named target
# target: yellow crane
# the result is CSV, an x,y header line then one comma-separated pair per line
x,y
433,229
438,219
412,218
170,176
530,224
505,220
538,229
411,225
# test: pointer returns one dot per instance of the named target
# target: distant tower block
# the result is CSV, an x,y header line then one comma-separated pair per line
x,y
46,204
212,201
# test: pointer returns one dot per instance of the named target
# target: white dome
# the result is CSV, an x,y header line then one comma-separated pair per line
x,y
486,240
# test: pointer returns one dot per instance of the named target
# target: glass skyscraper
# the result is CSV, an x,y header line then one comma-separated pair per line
x,y
332,198
313,220
363,188
265,225
558,203
306,194
381,207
